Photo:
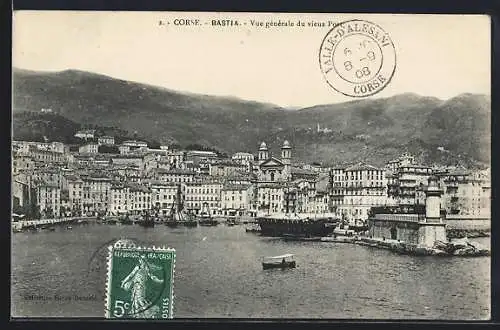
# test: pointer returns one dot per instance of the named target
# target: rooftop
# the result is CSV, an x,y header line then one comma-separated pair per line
x,y
236,186
176,171
201,153
362,167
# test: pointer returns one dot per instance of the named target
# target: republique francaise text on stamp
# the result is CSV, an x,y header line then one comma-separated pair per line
x,y
140,282
357,58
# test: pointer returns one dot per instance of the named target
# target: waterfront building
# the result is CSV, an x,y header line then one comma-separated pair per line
x,y
106,140
20,193
365,186
129,198
302,194
466,193
96,194
163,195
202,195
320,202
65,207
140,198
421,229
48,199
408,178
270,197
337,177
120,201
75,191
237,200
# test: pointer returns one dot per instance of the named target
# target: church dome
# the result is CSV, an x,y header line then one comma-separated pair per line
x,y
263,146
286,144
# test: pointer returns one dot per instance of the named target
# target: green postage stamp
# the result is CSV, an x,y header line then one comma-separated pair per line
x,y
140,282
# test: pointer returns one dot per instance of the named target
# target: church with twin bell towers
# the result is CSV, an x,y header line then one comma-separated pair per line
x,y
271,169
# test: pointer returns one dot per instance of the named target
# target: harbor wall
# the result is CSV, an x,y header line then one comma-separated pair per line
x,y
405,231
430,233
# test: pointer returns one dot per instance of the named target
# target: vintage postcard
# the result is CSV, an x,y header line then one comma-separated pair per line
x,y
172,165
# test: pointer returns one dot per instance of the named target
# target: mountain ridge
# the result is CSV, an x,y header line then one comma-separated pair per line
x,y
377,129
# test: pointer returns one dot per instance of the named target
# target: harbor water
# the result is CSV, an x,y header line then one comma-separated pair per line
x,y
219,274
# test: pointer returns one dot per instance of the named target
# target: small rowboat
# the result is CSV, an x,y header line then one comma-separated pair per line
x,y
282,261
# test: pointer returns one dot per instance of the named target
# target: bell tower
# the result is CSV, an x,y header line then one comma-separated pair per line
x,y
286,153
263,153
286,158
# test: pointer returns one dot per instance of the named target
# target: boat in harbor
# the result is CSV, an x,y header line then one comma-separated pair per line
x,y
111,221
147,221
177,214
282,261
69,227
252,229
301,225
205,218
343,233
126,221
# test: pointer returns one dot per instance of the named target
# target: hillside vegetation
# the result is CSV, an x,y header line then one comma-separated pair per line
x,y
372,130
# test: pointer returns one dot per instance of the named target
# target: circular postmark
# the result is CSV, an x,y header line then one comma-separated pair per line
x,y
357,58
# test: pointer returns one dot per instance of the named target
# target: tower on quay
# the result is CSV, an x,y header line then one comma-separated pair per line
x,y
433,201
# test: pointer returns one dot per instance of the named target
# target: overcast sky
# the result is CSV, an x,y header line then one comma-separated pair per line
x,y
440,56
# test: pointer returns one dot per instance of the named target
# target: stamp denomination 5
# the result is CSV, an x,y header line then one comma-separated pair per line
x,y
140,282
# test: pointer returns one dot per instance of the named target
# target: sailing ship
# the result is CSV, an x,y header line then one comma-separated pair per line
x,y
177,214
147,221
205,218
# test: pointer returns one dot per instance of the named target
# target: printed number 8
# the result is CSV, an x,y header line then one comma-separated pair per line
x,y
363,72
348,65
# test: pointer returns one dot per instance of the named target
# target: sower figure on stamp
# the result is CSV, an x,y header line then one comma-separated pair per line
x,y
136,282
